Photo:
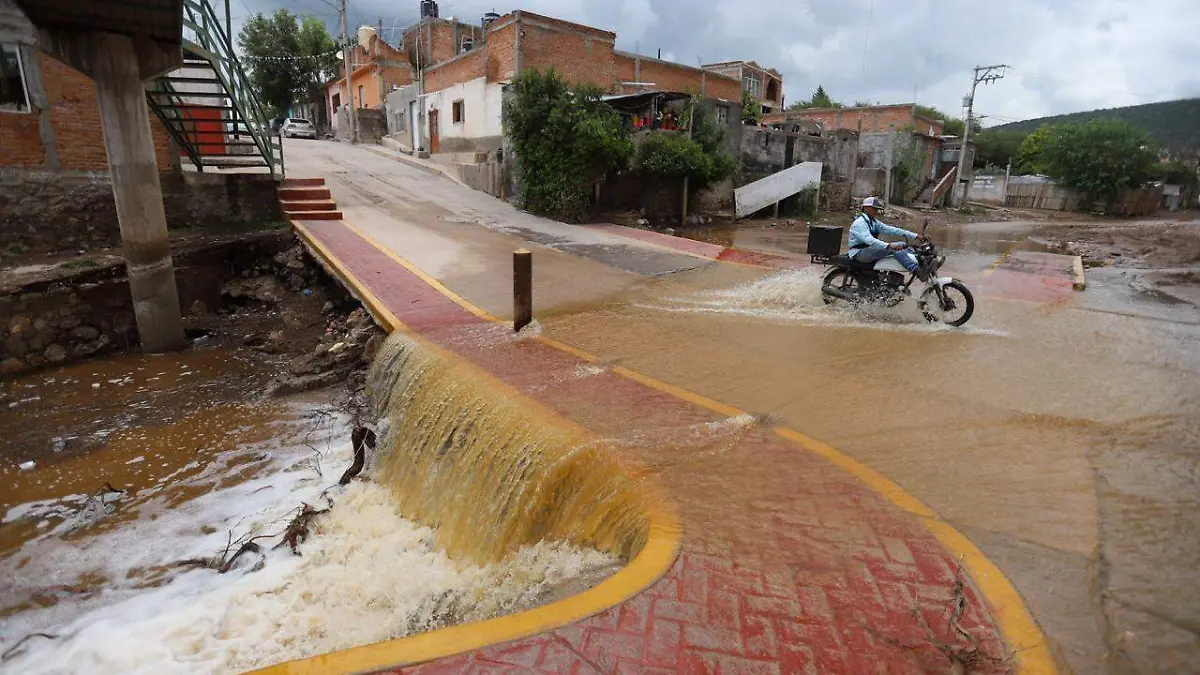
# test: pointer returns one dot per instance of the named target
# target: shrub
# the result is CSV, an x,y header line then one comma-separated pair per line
x,y
565,139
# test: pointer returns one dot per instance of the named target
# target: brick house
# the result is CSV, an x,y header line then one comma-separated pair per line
x,y
873,119
49,114
379,69
460,109
764,84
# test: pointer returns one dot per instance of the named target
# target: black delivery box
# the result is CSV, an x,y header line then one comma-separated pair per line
x,y
824,241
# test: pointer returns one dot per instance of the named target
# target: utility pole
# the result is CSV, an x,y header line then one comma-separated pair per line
x,y
986,75
348,64
683,214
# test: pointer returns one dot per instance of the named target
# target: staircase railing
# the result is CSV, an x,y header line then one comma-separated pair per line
x,y
943,185
205,35
173,118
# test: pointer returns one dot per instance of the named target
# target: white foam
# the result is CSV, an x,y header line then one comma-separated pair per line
x,y
794,296
365,575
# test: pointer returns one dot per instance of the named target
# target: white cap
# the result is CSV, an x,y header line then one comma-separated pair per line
x,y
874,202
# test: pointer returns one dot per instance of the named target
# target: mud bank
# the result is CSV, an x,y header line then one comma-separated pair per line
x,y
260,291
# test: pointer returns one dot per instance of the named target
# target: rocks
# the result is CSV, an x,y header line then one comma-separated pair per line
x,y
274,343
86,349
84,333
327,307
15,346
346,346
199,308
263,289
19,324
11,366
55,353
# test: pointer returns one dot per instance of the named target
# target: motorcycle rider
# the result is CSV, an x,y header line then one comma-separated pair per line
x,y
866,247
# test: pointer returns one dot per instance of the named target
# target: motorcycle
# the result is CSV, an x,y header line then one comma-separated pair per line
x,y
886,282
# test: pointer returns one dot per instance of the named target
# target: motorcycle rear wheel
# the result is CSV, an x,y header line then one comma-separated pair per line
x,y
842,280
961,300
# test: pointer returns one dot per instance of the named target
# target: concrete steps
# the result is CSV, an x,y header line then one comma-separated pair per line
x,y
306,199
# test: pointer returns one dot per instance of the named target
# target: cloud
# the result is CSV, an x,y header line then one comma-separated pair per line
x,y
1067,55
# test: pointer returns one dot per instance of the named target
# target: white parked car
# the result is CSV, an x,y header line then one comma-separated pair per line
x,y
294,127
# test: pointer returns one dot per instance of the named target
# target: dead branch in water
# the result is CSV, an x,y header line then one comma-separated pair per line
x,y
224,562
297,530
361,438
13,650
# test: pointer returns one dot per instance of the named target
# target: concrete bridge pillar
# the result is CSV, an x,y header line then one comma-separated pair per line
x,y
125,119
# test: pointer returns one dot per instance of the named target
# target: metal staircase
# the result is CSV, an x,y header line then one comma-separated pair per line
x,y
208,106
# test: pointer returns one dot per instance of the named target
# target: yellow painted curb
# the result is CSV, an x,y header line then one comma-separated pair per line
x,y
650,563
1017,626
1080,282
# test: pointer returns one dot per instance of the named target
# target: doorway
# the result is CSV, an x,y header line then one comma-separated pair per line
x,y
414,126
433,131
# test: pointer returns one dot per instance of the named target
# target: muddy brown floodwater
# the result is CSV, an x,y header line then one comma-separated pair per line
x,y
133,422
1062,437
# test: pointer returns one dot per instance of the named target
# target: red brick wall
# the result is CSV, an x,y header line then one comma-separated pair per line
x,y
501,53
873,119
673,77
464,69
580,57
20,142
75,120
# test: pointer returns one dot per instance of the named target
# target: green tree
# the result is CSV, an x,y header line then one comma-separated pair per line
x,y
997,147
565,139
1175,173
1031,153
751,108
702,158
318,46
288,59
951,126
819,99
1101,157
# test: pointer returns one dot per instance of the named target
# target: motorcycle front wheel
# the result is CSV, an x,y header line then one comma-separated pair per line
x,y
954,306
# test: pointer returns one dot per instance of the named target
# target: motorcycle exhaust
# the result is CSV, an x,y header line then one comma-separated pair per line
x,y
838,293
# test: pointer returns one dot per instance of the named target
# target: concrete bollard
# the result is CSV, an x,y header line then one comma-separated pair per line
x,y
522,289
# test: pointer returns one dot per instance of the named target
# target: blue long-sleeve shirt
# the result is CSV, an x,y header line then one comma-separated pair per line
x,y
864,233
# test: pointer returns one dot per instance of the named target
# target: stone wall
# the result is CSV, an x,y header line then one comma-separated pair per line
x,y
64,319
46,211
765,151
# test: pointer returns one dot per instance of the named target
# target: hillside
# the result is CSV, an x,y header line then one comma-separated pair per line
x,y
1174,124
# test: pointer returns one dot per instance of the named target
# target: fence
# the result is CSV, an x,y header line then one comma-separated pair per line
x,y
1036,192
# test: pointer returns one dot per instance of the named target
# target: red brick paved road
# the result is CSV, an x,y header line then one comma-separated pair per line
x,y
788,564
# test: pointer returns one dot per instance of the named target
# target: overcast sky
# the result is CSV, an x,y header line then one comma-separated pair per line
x,y
1066,55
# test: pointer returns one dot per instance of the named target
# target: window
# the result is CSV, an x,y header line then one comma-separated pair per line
x,y
360,97
722,115
401,122
458,112
336,101
13,97
751,84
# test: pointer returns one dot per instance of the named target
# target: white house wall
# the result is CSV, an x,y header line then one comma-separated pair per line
x,y
481,128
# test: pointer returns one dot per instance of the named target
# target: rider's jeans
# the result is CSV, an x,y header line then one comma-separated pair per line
x,y
881,250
